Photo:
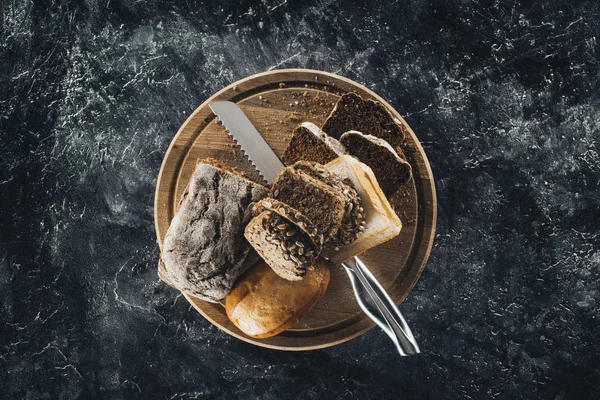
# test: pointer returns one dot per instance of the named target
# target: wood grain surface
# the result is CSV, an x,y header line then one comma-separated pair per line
x,y
276,102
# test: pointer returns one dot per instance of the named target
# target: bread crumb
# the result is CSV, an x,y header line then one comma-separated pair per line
x,y
294,117
281,85
234,88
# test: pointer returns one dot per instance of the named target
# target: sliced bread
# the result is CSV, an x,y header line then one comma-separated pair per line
x,y
310,143
319,202
352,112
390,170
282,236
381,222
354,214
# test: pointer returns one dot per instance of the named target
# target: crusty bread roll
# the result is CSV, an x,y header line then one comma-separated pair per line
x,y
382,223
262,304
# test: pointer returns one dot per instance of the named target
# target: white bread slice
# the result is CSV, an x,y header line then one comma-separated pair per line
x,y
382,223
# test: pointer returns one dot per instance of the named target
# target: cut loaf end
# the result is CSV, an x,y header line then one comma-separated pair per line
x,y
382,223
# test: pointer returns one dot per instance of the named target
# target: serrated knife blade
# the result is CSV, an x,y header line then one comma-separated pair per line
x,y
239,127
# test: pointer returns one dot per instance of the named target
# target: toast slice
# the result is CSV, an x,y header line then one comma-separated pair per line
x,y
381,222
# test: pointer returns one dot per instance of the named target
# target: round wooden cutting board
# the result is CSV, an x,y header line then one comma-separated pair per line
x,y
276,102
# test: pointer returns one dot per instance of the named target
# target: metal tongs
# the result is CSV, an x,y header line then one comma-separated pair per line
x,y
377,304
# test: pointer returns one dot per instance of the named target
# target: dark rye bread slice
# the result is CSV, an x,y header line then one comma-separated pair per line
x,y
354,214
282,236
320,203
310,143
352,112
390,170
204,251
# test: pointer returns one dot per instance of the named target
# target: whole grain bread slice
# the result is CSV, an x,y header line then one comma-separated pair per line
x,y
354,213
320,203
282,236
352,112
310,143
390,170
292,215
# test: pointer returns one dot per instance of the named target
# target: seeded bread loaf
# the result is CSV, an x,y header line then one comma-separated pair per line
x,y
262,304
319,202
353,220
294,216
204,249
381,222
352,112
390,170
284,238
310,143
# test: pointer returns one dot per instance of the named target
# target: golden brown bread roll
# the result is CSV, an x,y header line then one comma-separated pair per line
x,y
262,304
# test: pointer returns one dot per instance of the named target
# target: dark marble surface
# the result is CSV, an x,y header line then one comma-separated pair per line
x,y
503,96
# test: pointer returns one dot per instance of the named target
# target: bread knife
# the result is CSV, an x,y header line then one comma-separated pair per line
x,y
251,142
369,293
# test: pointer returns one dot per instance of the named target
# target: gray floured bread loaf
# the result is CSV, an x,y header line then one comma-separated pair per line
x,y
205,250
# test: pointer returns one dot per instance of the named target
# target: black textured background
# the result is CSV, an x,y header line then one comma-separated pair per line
x,y
504,97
